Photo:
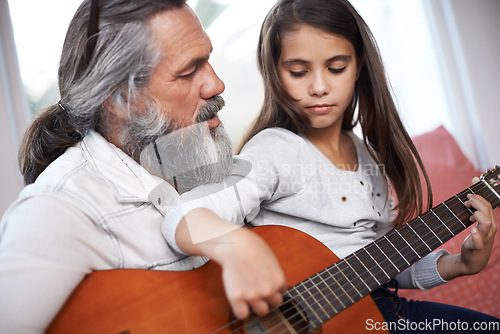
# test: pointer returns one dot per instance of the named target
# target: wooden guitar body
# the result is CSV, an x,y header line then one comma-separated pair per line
x,y
146,301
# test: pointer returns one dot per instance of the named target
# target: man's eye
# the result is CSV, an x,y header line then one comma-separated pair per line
x,y
298,74
189,75
337,70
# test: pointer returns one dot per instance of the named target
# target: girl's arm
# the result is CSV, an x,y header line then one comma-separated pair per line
x,y
251,273
477,247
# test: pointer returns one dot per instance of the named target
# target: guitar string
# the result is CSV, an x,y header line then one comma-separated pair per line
x,y
446,219
458,203
378,262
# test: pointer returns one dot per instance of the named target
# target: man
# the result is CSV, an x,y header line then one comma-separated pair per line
x,y
131,74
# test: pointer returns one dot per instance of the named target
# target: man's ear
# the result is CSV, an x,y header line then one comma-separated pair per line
x,y
110,107
360,64
115,112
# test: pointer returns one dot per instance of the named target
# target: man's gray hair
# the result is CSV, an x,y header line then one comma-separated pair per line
x,y
118,71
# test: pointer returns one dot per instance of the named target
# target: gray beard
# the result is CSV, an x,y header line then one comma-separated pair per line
x,y
185,157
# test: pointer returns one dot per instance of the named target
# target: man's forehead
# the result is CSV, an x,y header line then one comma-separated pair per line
x,y
181,36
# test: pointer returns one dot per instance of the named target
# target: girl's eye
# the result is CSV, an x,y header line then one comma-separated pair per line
x,y
337,70
298,74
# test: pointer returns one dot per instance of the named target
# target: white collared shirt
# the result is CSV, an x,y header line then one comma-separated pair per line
x,y
94,208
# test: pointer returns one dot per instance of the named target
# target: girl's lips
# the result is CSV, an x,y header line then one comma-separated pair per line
x,y
213,122
320,109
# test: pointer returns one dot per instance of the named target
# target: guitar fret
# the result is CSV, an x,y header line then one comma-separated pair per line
x,y
357,274
387,257
331,291
457,221
367,270
490,188
376,263
454,215
471,212
300,294
317,302
422,229
415,244
350,282
441,241
423,242
396,231
341,287
441,222
397,250
320,284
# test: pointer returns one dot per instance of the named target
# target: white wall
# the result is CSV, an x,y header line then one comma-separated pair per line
x,y
469,46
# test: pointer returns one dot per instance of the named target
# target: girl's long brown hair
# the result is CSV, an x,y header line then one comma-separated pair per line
x,y
383,131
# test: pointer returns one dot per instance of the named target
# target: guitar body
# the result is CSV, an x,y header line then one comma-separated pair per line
x,y
147,301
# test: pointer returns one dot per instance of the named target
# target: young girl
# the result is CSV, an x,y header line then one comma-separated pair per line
x,y
323,75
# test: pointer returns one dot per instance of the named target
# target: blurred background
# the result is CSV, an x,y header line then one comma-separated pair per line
x,y
440,55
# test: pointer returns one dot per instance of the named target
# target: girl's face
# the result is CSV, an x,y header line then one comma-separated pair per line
x,y
319,70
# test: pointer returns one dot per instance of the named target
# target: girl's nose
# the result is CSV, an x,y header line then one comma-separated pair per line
x,y
319,85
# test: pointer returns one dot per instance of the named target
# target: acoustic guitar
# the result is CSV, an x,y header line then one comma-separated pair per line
x,y
328,295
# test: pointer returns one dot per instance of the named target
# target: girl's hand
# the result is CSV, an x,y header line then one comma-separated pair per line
x,y
252,276
477,247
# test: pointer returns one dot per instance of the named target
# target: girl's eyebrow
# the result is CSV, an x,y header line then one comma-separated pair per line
x,y
295,61
340,57
302,61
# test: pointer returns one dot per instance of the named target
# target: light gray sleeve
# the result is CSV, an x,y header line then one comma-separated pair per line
x,y
233,200
423,274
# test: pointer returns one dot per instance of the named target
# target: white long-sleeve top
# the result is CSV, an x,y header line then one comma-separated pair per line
x,y
280,178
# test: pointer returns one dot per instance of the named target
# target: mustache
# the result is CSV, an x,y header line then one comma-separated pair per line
x,y
213,106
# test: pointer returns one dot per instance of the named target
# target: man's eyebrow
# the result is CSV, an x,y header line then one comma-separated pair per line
x,y
302,61
194,62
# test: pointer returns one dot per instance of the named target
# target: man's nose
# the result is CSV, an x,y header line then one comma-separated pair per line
x,y
213,86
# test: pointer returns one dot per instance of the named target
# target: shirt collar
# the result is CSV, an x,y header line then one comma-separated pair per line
x,y
129,180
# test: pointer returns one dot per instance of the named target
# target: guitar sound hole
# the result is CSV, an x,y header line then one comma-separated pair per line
x,y
288,318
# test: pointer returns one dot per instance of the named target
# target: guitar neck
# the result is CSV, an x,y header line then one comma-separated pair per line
x,y
327,293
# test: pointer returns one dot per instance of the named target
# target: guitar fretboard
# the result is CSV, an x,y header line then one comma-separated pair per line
x,y
337,287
